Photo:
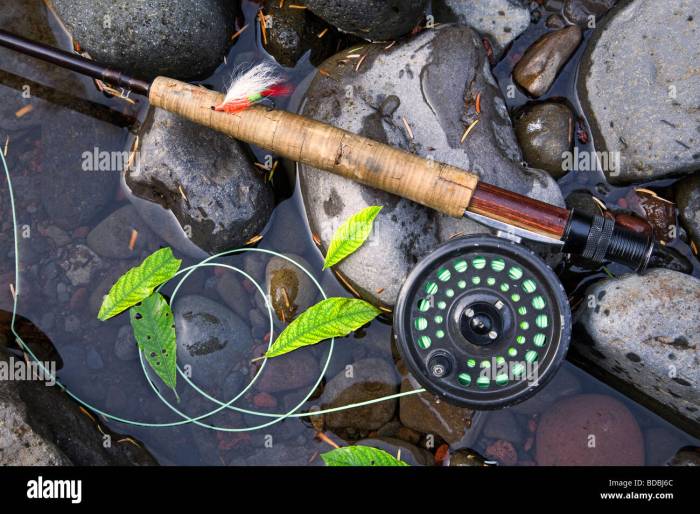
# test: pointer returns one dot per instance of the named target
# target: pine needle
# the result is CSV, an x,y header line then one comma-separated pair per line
x,y
239,32
469,129
408,127
323,33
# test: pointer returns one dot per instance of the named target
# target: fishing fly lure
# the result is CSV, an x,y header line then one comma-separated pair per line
x,y
253,86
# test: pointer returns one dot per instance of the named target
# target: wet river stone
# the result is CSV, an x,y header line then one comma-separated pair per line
x,y
589,430
431,81
210,338
501,20
545,132
204,178
427,414
646,330
374,20
295,32
585,13
111,237
538,67
364,380
185,39
42,426
639,86
289,289
688,201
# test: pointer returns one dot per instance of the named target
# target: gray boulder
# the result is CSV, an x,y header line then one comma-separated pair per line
x,y
646,331
639,87
185,39
501,20
204,178
431,81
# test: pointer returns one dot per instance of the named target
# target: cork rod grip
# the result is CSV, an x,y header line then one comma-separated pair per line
x,y
436,185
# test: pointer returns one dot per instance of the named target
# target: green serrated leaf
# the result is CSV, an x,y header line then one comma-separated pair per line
x,y
333,317
350,235
360,456
138,283
154,330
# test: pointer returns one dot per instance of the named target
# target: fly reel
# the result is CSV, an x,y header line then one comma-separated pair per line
x,y
482,322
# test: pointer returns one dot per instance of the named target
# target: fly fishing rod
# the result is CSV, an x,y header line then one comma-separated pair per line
x,y
476,316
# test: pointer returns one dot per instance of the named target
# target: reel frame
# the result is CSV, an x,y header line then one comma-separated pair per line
x,y
471,318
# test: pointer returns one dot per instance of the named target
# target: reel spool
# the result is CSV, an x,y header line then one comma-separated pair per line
x,y
482,322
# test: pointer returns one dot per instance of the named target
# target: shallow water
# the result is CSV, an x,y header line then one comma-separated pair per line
x,y
71,106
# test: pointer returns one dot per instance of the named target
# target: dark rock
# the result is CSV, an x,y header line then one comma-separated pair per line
x,y
288,372
210,339
646,331
125,346
688,200
545,131
538,67
426,413
554,21
589,430
374,20
425,81
650,117
230,288
204,178
501,20
364,380
586,12
80,264
111,237
688,456
295,32
42,426
147,38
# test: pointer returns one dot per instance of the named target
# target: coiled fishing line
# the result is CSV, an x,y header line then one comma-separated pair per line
x,y
186,419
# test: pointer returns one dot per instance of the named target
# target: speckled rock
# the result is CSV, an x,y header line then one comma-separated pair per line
x,y
204,178
501,20
290,290
545,131
650,116
374,20
428,414
364,380
646,330
540,64
425,81
20,444
688,201
43,426
80,264
185,39
210,339
589,430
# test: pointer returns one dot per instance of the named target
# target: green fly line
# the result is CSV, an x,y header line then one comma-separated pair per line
x,y
186,419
